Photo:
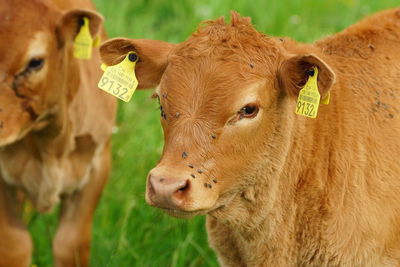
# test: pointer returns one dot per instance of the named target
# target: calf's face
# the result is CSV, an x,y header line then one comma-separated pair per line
x,y
35,63
223,98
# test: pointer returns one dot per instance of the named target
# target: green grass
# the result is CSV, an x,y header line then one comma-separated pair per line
x,y
127,232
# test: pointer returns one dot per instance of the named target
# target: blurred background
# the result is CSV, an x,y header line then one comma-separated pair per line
x,y
127,232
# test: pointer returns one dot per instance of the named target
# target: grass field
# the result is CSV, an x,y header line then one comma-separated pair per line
x,y
127,232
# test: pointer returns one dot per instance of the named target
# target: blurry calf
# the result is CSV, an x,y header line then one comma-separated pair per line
x,y
55,126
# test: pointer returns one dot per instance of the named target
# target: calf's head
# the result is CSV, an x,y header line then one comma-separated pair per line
x,y
227,99
36,63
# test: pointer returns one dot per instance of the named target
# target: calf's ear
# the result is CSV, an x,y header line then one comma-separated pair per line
x,y
295,71
70,24
153,57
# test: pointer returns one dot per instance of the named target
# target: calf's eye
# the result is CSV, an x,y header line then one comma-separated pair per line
x,y
35,64
249,111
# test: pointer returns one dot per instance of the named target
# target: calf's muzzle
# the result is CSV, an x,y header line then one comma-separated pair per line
x,y
169,193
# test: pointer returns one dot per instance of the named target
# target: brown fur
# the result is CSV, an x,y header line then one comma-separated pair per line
x,y
53,145
279,189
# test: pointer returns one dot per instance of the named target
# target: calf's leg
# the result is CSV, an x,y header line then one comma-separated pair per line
x,y
15,241
71,245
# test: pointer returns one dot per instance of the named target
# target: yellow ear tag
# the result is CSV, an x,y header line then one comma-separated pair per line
x,y
326,99
97,41
309,97
120,80
83,41
103,67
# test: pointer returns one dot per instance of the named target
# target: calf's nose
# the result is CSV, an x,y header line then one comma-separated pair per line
x,y
167,192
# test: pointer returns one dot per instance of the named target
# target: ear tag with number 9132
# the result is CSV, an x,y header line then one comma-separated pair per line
x,y
83,41
309,97
120,80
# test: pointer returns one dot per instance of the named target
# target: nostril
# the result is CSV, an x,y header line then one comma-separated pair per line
x,y
185,187
181,192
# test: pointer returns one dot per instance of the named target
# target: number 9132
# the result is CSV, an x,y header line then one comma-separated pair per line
x,y
305,108
113,87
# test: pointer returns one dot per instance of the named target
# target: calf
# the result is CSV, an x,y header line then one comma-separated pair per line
x,y
280,189
53,144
